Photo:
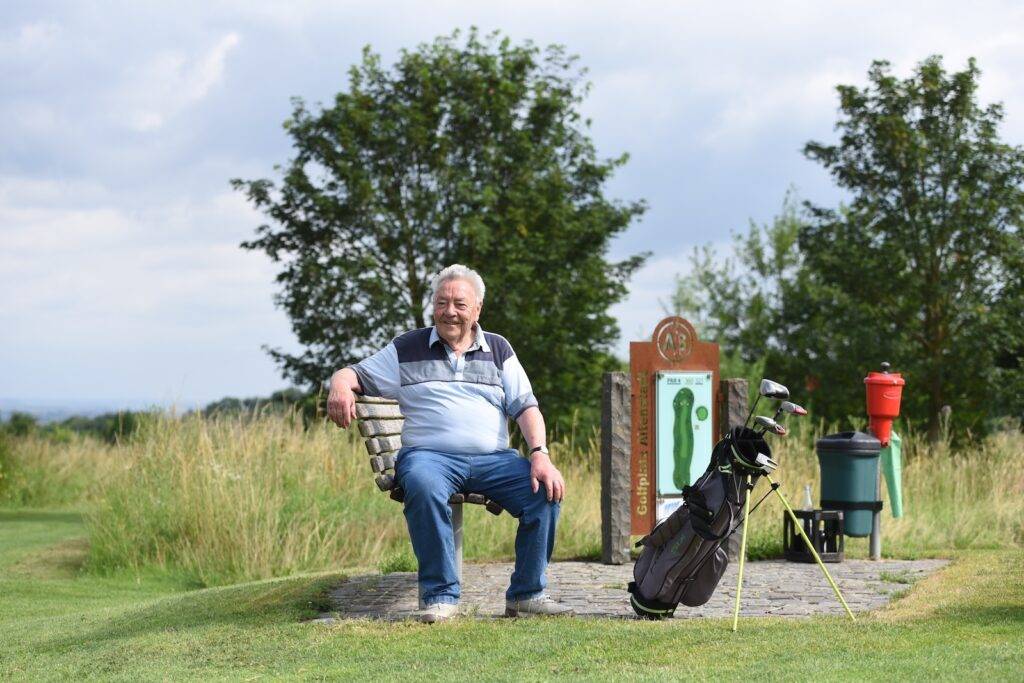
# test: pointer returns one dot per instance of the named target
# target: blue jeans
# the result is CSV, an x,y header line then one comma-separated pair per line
x,y
429,478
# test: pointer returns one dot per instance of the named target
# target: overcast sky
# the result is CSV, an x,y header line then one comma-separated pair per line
x,y
121,123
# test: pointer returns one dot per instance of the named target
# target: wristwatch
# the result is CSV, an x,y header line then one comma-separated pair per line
x,y
539,449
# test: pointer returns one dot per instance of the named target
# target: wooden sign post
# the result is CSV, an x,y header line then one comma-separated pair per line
x,y
674,401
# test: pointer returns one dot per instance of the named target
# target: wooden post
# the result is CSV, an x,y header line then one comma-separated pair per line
x,y
732,395
615,468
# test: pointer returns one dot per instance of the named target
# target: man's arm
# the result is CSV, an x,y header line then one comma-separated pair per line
x,y
341,402
373,376
542,470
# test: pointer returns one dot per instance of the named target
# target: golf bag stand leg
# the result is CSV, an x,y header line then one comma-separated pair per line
x,y
810,546
743,557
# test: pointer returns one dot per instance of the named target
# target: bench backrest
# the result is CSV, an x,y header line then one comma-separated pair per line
x,y
380,424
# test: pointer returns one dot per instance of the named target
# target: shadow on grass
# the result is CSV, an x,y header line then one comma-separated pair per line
x,y
62,560
9,516
987,615
260,603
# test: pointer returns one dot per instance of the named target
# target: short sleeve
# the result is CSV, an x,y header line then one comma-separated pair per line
x,y
378,374
518,392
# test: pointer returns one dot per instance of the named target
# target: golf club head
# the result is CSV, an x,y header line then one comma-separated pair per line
x,y
769,425
767,464
791,408
770,389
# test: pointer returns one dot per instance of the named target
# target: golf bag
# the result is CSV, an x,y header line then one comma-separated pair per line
x,y
684,557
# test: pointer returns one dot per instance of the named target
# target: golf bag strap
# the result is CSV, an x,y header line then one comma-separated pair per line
x,y
873,505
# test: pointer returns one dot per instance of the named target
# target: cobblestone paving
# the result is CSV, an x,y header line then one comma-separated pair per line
x,y
773,588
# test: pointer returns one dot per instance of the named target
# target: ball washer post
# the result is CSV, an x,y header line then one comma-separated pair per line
x,y
800,529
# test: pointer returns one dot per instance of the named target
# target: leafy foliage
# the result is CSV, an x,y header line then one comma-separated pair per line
x,y
110,427
929,242
471,152
922,268
285,402
20,424
741,301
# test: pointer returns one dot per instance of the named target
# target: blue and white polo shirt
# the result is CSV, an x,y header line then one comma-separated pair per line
x,y
450,404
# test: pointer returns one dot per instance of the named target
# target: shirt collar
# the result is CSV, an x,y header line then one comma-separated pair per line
x,y
479,342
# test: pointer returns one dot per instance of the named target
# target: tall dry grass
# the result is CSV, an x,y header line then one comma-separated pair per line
x,y
38,472
972,497
229,499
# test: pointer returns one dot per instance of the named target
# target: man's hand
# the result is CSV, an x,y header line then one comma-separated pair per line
x,y
542,470
341,402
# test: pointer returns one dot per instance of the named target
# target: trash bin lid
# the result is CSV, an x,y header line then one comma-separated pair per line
x,y
849,443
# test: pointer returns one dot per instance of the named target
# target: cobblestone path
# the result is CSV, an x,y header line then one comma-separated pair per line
x,y
772,588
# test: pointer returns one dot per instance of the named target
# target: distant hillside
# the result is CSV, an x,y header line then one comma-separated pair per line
x,y
57,410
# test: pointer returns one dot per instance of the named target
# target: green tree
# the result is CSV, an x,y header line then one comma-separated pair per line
x,y
467,151
922,267
751,301
21,424
925,252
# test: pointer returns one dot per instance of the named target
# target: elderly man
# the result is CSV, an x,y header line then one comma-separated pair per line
x,y
456,386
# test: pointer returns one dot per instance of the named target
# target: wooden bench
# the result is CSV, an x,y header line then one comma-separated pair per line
x,y
380,423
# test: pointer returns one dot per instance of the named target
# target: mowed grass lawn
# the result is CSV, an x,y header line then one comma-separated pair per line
x,y
58,623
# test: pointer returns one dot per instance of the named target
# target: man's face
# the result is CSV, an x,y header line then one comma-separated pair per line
x,y
456,310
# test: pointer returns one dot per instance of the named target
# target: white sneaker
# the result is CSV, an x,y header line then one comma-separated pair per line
x,y
541,605
439,611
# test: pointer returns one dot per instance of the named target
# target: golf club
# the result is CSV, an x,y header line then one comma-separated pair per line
x,y
768,389
767,424
789,409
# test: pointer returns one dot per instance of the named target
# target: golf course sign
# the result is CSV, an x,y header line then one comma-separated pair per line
x,y
674,418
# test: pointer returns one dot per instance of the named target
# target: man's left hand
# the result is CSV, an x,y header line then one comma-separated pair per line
x,y
542,470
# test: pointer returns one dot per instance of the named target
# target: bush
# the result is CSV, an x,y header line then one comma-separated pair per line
x,y
20,424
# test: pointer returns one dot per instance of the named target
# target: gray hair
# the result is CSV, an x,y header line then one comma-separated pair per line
x,y
457,271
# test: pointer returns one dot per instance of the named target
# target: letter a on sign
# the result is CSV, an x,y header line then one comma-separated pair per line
x,y
674,339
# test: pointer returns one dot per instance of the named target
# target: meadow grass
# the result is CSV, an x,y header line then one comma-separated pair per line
x,y
37,471
221,500
57,623
229,499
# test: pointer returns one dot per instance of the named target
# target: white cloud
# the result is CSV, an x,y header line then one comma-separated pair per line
x,y
757,105
29,40
120,129
104,266
171,82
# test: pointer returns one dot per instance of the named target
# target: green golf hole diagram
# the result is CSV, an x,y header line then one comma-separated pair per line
x,y
683,427
682,437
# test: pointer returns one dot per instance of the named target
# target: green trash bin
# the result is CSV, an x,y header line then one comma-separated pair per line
x,y
849,478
